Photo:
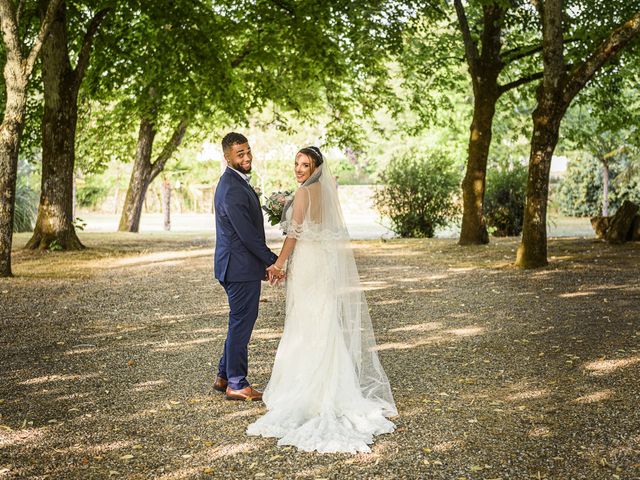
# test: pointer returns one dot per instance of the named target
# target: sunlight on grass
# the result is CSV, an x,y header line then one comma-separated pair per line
x,y
266,334
10,437
175,346
540,432
148,385
595,397
387,302
157,257
447,446
371,286
57,378
528,395
79,351
250,412
576,294
229,450
603,367
407,345
467,331
419,327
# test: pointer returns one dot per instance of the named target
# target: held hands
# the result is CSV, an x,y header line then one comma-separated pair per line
x,y
275,274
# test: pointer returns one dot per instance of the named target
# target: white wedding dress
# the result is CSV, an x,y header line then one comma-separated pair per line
x,y
327,391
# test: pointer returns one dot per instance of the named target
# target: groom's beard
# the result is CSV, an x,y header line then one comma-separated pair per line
x,y
241,169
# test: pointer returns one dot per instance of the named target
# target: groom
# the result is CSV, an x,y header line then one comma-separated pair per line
x,y
241,261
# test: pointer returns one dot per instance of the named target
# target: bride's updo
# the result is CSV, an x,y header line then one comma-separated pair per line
x,y
314,154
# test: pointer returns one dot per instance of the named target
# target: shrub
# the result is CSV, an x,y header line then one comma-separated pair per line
x,y
580,191
91,190
24,216
504,200
418,193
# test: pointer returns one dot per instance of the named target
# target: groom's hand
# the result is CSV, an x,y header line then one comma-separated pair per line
x,y
275,274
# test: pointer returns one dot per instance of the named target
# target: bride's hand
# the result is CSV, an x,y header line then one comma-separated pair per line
x,y
276,274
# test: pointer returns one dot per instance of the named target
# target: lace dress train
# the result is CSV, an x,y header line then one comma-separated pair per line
x,y
314,398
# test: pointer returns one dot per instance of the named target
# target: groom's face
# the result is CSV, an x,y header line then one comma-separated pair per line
x,y
239,157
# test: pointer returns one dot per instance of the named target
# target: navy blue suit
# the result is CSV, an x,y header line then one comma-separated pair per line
x,y
241,259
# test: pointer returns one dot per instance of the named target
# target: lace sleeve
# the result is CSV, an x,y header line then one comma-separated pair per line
x,y
295,226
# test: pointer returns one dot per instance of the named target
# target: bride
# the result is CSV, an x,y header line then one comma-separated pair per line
x,y
328,391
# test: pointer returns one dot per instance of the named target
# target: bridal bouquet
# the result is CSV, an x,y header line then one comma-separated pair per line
x,y
275,205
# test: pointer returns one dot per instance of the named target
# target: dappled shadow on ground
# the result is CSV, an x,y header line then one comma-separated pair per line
x,y
107,367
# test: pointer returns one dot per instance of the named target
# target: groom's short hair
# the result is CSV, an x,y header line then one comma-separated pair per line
x,y
231,139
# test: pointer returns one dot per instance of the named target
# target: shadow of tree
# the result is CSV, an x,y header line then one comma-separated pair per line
x,y
496,372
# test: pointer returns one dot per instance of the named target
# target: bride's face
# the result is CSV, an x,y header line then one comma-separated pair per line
x,y
304,167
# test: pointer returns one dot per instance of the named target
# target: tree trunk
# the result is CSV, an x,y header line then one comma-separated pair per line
x,y
555,94
474,229
61,86
166,203
532,252
140,179
485,66
144,172
17,71
10,136
605,188
54,224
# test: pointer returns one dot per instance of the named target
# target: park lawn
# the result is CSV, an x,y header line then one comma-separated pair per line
x,y
108,358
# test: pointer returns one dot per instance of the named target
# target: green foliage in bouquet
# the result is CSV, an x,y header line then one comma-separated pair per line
x,y
274,206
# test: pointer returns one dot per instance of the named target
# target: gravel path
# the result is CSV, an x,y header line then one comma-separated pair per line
x,y
108,358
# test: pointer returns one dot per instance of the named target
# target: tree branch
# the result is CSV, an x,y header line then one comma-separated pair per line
x,y
246,50
617,40
525,51
470,47
169,148
614,152
521,81
520,52
553,47
9,27
44,30
87,43
284,6
491,39
19,12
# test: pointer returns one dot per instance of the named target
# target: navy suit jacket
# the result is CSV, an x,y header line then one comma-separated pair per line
x,y
241,253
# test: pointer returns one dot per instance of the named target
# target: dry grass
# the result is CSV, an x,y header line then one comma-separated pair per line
x,y
108,357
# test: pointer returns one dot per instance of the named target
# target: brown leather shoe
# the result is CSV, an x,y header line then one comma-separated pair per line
x,y
220,384
246,394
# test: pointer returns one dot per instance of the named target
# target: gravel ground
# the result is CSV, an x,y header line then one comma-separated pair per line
x,y
108,358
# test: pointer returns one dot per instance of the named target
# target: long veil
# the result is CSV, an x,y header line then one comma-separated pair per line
x,y
323,222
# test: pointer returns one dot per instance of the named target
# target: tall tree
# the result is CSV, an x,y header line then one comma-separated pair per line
x,y
560,84
486,60
209,70
17,72
177,78
604,122
497,43
61,85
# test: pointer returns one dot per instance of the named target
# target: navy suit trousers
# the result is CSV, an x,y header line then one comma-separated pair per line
x,y
244,298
